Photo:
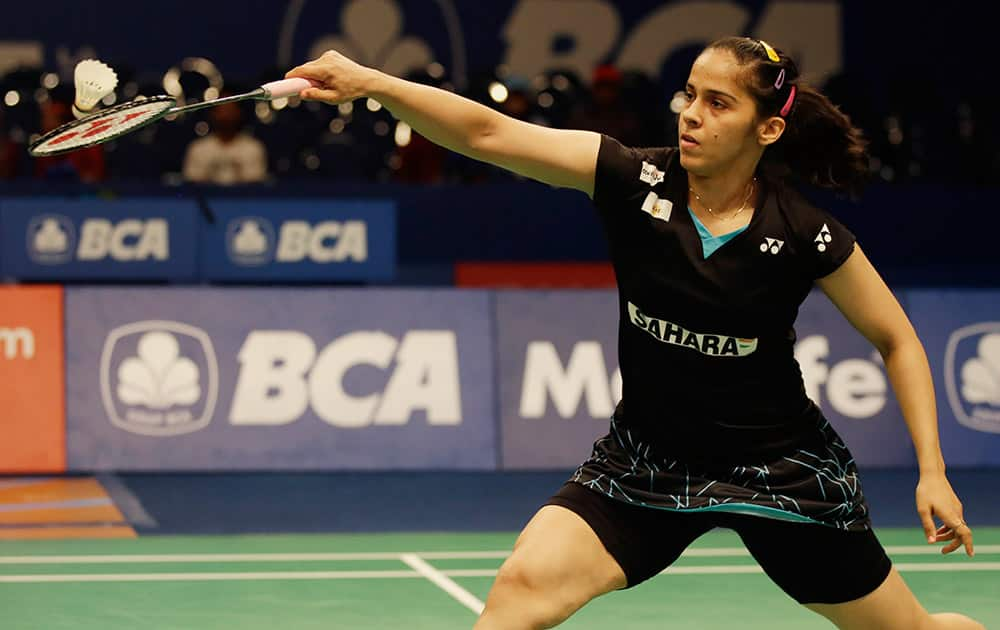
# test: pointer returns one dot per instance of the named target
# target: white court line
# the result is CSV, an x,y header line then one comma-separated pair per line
x,y
721,552
209,577
443,582
946,567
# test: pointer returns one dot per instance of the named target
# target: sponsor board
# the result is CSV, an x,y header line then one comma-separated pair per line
x,y
297,241
137,239
961,333
32,420
237,379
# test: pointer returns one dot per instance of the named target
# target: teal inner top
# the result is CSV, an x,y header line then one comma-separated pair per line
x,y
710,243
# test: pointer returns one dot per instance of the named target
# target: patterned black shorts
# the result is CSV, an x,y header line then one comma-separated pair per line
x,y
812,563
814,482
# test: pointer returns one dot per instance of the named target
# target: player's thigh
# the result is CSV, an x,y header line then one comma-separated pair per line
x,y
813,563
558,556
891,606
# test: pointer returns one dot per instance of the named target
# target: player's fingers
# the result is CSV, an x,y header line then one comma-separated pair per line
x,y
961,536
952,546
313,70
318,94
928,522
945,535
965,535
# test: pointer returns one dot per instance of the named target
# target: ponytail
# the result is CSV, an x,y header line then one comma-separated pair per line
x,y
820,146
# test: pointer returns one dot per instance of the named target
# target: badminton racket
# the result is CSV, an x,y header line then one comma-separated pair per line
x,y
119,120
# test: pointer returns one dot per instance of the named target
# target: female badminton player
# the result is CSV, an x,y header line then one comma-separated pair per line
x,y
714,251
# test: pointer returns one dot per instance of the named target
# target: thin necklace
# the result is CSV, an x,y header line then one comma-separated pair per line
x,y
753,184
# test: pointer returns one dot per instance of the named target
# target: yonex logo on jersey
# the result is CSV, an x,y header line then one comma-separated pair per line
x,y
705,343
656,207
823,238
650,174
772,245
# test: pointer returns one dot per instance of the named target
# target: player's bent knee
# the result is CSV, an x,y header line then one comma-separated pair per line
x,y
532,594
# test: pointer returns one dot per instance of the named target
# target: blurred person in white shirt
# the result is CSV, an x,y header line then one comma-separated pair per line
x,y
227,155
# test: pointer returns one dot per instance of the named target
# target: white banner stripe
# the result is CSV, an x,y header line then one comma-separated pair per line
x,y
443,582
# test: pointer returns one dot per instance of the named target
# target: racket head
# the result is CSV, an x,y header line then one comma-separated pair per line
x,y
102,126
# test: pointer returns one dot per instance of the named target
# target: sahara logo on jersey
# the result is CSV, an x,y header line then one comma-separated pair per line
x,y
705,343
972,376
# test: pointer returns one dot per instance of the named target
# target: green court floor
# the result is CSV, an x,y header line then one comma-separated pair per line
x,y
416,582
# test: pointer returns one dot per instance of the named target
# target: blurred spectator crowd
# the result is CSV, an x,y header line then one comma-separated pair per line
x,y
914,137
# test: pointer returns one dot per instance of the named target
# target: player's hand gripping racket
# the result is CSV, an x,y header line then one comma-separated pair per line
x,y
116,121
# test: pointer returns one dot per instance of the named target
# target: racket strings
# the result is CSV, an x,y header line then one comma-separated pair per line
x,y
102,126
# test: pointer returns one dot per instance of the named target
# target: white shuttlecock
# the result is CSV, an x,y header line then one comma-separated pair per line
x,y
94,81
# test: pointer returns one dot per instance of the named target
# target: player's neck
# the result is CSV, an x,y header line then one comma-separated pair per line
x,y
721,191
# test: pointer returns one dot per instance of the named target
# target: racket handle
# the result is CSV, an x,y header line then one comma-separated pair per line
x,y
287,87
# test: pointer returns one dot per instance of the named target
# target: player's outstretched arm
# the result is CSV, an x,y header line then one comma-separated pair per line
x,y
559,157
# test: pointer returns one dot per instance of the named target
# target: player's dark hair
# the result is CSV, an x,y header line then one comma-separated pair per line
x,y
820,146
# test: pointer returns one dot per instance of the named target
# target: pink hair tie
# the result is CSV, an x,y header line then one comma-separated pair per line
x,y
788,104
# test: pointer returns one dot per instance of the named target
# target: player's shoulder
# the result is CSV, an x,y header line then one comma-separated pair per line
x,y
623,171
612,149
795,208
812,231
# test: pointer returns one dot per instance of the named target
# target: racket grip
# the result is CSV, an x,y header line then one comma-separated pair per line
x,y
287,87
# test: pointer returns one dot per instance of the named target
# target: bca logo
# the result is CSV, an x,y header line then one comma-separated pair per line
x,y
251,241
52,240
378,33
361,379
972,376
159,378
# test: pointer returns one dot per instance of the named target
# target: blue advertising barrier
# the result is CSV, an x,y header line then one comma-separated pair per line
x,y
559,378
296,379
284,240
253,379
137,239
845,375
961,333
